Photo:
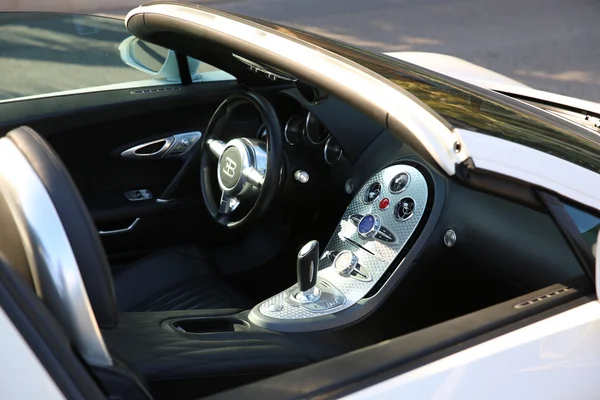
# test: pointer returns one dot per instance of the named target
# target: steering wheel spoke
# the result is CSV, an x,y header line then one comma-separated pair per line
x,y
217,147
254,177
248,168
228,204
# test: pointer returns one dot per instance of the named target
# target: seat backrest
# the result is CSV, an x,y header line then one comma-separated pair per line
x,y
48,235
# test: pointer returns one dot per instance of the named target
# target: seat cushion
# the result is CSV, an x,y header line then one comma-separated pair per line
x,y
174,279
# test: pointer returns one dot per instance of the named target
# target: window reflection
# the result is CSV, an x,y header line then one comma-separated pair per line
x,y
587,224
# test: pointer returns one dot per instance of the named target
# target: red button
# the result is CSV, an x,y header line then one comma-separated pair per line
x,y
384,203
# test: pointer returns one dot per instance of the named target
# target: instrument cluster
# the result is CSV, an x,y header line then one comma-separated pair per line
x,y
308,130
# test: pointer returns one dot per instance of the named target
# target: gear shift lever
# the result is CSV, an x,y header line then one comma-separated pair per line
x,y
307,267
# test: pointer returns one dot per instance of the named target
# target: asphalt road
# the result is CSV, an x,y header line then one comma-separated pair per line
x,y
548,44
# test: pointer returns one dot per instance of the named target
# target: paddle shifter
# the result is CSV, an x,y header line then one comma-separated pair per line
x,y
307,267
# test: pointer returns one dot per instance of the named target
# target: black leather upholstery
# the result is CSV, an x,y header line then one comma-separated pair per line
x,y
168,280
174,279
76,220
159,352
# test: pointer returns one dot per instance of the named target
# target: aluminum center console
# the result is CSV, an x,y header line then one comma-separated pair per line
x,y
374,229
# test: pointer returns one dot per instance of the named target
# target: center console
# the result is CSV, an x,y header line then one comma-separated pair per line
x,y
366,250
198,352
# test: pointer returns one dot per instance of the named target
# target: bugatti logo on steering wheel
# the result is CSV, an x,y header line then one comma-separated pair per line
x,y
229,167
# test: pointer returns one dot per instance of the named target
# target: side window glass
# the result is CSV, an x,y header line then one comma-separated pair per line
x,y
161,63
47,54
203,72
587,224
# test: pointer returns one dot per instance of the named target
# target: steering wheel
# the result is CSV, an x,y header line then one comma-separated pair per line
x,y
246,170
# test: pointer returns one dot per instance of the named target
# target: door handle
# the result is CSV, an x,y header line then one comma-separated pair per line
x,y
117,231
171,146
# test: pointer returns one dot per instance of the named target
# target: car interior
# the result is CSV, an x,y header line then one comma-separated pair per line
x,y
203,236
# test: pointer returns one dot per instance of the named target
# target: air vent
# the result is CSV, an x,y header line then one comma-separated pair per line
x,y
156,90
546,296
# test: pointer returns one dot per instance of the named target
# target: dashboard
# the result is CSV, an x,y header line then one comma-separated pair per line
x,y
396,203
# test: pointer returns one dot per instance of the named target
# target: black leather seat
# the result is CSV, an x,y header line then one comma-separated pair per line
x,y
46,232
174,279
163,281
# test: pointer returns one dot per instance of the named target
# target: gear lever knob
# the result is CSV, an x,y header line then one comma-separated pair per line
x,y
307,265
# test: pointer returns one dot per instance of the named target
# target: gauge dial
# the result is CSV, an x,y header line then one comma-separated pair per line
x,y
332,151
315,130
294,129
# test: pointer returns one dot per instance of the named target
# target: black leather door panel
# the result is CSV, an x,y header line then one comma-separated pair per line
x,y
103,177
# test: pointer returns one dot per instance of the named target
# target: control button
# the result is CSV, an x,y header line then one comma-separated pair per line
x,y
137,195
345,262
368,226
385,235
301,176
275,307
349,186
373,192
384,203
183,145
326,304
404,209
450,238
399,183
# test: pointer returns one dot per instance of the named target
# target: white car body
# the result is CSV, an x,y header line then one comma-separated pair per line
x,y
488,79
554,358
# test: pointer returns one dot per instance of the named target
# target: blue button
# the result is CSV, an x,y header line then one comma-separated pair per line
x,y
366,224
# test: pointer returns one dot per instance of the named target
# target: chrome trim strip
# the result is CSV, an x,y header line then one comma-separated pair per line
x,y
49,254
317,66
174,146
285,132
331,162
124,230
306,130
